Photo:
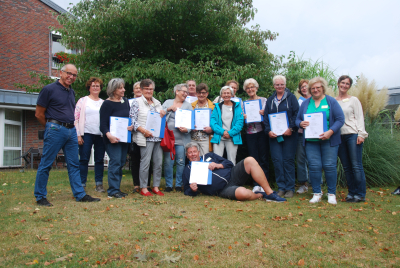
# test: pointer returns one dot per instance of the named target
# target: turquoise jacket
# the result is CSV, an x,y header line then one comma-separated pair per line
x,y
236,127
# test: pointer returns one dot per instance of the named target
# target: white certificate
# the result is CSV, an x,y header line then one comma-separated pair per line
x,y
252,110
316,126
278,123
183,118
118,128
155,124
202,118
191,99
200,174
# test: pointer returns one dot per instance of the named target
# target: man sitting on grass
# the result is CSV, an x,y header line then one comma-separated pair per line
x,y
227,179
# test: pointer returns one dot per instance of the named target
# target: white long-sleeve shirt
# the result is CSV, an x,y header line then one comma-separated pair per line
x,y
354,117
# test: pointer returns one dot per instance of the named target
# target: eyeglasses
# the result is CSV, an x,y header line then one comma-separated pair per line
x,y
71,74
184,91
95,86
202,93
148,88
315,88
303,87
253,87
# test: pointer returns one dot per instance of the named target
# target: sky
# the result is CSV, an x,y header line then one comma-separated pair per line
x,y
351,36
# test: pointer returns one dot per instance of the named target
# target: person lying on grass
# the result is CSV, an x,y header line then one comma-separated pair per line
x,y
227,179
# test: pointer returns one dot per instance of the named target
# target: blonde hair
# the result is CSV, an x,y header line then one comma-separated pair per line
x,y
315,80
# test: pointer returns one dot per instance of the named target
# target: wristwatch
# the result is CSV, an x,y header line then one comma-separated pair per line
x,y
291,129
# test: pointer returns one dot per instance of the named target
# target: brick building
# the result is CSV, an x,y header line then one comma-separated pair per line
x,y
26,44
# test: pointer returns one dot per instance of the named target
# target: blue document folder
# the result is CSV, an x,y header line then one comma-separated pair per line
x,y
207,180
129,133
274,115
244,108
162,127
199,110
192,116
324,118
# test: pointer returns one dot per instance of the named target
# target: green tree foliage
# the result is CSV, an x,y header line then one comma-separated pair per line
x,y
169,41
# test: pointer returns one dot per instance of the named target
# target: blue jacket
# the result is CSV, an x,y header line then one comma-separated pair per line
x,y
236,127
288,104
220,177
336,118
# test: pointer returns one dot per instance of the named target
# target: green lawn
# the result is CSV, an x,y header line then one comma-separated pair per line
x,y
176,230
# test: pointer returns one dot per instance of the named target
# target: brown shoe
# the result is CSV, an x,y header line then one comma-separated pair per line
x,y
289,194
99,188
281,193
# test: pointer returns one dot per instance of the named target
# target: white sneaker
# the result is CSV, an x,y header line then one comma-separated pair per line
x,y
302,189
257,189
332,199
316,198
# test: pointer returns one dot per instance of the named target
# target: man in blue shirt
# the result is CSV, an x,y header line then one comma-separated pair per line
x,y
227,179
55,111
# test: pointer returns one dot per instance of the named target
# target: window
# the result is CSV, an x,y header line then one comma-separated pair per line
x,y
11,130
56,46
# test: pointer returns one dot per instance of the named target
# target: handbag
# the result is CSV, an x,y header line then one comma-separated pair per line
x,y
168,142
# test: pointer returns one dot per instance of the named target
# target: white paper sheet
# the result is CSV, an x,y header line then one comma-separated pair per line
x,y
316,126
201,118
183,118
191,99
252,109
199,173
279,123
118,128
153,123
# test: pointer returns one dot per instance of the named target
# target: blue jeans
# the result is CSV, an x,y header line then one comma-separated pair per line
x,y
117,154
301,158
321,155
350,154
169,166
283,154
258,147
84,155
57,137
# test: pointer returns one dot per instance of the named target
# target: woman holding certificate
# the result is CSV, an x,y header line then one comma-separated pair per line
x,y
353,135
87,124
321,117
257,143
181,134
116,105
227,122
280,125
149,145
202,137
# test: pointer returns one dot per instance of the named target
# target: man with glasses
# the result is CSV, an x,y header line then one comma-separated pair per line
x,y
202,137
55,111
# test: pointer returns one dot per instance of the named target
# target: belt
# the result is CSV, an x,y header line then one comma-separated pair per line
x,y
60,123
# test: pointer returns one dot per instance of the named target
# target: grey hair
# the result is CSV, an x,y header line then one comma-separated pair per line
x,y
65,67
225,88
190,145
279,77
137,83
250,81
178,87
113,85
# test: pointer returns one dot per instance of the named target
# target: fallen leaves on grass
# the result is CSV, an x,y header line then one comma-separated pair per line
x,y
41,238
32,262
65,258
140,257
196,257
171,258
301,262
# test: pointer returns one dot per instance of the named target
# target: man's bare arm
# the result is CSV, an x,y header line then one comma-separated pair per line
x,y
40,115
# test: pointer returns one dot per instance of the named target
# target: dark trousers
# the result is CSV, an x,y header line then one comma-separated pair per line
x,y
134,154
258,147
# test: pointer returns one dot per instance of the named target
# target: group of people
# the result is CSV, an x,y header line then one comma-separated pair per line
x,y
89,121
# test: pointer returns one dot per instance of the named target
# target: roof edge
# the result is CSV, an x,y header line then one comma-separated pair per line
x,y
54,6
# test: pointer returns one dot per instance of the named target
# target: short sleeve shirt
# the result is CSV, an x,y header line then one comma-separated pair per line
x,y
59,102
323,107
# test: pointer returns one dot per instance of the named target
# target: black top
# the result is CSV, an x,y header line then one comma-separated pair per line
x,y
111,108
59,102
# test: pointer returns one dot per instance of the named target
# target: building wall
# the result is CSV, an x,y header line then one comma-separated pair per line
x,y
30,138
24,40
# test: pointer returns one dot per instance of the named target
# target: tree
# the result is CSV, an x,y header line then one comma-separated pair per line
x,y
169,41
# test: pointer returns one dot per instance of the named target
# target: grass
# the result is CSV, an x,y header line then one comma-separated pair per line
x,y
204,230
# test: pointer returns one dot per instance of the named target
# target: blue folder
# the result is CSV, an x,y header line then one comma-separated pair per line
x,y
194,111
272,115
162,128
324,118
209,181
192,126
244,108
130,123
